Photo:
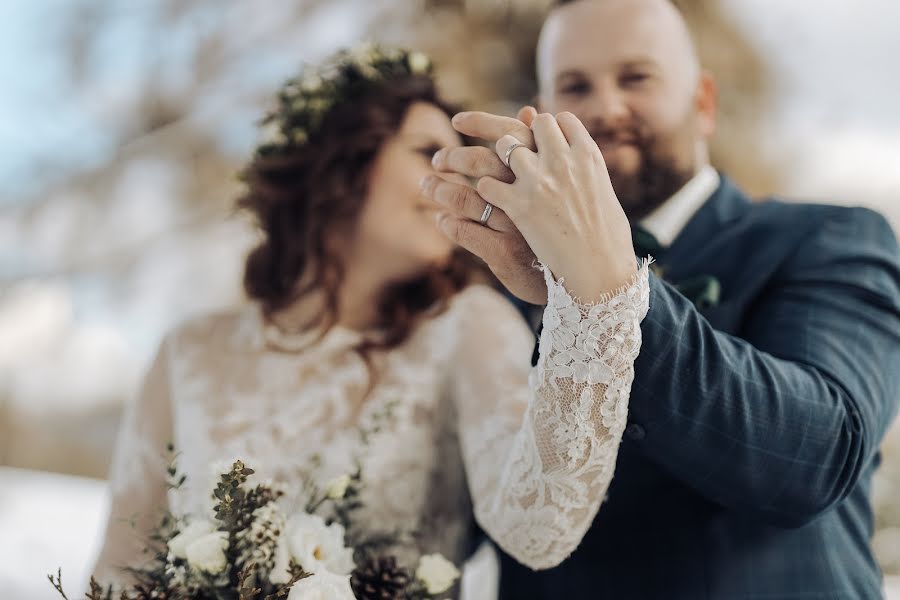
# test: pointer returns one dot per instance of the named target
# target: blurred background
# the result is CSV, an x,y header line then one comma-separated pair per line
x,y
122,125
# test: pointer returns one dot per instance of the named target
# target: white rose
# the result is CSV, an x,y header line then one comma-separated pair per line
x,y
189,534
437,573
418,63
208,553
337,487
318,546
323,586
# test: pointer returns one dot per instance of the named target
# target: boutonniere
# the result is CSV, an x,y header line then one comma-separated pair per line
x,y
705,291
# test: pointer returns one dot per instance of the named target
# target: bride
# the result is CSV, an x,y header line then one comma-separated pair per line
x,y
359,307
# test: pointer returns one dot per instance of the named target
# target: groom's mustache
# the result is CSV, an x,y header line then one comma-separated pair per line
x,y
607,138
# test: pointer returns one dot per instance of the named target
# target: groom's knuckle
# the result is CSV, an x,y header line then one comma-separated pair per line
x,y
485,162
470,198
466,159
453,230
465,233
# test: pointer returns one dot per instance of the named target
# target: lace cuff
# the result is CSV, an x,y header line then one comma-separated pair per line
x,y
562,459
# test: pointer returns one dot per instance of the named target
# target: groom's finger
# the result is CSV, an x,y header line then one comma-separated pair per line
x,y
472,161
492,127
483,242
464,201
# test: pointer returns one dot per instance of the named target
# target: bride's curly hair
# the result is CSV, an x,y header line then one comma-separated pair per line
x,y
309,179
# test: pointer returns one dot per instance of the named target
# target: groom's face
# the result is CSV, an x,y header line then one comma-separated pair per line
x,y
628,70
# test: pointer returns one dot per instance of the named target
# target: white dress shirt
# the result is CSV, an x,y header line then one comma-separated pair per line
x,y
669,219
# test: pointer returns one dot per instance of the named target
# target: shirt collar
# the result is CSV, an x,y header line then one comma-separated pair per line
x,y
669,219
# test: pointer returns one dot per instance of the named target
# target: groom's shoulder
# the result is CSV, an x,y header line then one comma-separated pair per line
x,y
821,242
811,223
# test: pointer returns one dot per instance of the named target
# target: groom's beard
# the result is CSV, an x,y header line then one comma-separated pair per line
x,y
657,177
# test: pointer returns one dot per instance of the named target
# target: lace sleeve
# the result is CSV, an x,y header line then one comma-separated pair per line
x,y
137,478
540,445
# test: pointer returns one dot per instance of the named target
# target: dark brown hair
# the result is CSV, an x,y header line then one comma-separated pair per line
x,y
301,197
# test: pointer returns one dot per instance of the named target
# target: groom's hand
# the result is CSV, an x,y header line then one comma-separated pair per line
x,y
498,242
476,162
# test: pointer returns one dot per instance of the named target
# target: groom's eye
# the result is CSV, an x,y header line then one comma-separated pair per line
x,y
633,79
574,88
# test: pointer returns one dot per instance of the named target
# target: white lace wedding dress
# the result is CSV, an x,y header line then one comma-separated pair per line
x,y
532,451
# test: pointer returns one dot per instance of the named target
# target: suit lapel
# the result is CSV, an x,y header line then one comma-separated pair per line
x,y
697,247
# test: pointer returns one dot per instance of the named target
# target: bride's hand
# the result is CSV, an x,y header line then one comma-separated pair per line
x,y
563,203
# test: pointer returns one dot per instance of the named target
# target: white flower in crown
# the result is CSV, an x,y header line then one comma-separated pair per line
x,y
437,573
270,135
317,546
322,586
337,487
418,63
364,53
319,104
310,84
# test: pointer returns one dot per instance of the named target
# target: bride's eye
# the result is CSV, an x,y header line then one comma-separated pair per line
x,y
428,152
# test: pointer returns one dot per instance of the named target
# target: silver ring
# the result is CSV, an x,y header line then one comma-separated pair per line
x,y
488,209
509,152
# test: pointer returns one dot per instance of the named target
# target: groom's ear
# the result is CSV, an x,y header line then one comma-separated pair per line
x,y
707,101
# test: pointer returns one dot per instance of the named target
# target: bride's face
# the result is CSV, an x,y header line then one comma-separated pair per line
x,y
397,225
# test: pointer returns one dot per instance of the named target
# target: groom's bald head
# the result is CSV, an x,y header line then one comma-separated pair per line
x,y
576,28
629,70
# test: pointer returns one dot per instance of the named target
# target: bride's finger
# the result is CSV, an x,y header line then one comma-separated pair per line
x,y
501,195
464,201
575,131
516,155
548,136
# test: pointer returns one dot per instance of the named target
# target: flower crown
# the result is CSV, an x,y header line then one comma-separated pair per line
x,y
304,101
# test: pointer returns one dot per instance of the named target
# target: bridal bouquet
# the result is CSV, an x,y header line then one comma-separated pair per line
x,y
252,549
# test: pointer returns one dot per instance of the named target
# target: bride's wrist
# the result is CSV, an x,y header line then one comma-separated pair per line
x,y
595,282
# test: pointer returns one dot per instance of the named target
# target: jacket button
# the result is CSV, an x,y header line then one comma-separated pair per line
x,y
635,432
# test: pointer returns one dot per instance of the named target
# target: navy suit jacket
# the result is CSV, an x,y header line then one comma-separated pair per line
x,y
754,427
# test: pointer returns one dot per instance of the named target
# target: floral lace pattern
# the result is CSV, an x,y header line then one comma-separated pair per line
x,y
538,497
472,424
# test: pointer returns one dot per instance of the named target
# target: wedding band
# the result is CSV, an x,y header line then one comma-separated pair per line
x,y
509,152
488,209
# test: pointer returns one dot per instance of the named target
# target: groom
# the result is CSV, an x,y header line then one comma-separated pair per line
x,y
770,365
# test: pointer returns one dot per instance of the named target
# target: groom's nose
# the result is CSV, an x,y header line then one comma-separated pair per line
x,y
607,104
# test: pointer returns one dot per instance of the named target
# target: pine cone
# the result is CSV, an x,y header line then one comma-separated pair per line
x,y
380,579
